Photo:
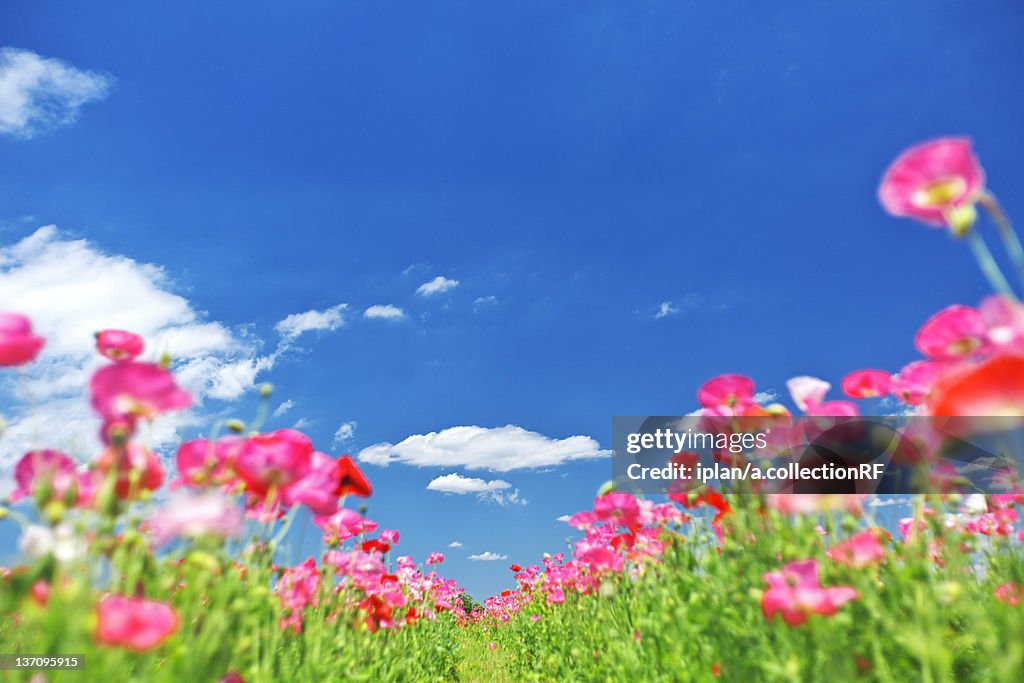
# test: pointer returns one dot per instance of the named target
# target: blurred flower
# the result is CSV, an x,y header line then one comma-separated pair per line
x,y
61,541
860,550
619,507
134,623
952,333
351,479
192,515
932,180
45,467
727,394
17,343
274,461
807,392
1011,594
796,592
992,388
136,468
206,463
118,345
129,390
435,558
914,382
867,383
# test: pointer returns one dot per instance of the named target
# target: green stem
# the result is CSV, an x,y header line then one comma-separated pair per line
x,y
1009,236
988,265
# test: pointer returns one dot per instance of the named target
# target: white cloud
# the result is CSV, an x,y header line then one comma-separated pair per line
x,y
487,556
563,518
484,302
297,324
455,544
438,285
456,483
70,289
883,500
384,311
494,491
39,93
665,309
345,432
284,408
500,449
768,396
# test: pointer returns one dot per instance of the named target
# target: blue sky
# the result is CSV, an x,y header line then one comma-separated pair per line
x,y
572,165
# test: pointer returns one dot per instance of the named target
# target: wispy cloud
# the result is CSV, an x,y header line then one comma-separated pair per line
x,y
500,449
482,302
665,309
438,285
384,312
455,544
284,408
488,556
345,432
563,518
39,93
297,324
495,491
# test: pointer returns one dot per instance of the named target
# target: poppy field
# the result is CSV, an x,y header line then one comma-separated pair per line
x,y
167,566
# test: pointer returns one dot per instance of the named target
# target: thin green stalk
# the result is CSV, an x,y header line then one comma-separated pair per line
x,y
989,268
1009,236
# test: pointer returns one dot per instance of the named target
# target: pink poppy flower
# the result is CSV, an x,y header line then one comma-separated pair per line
x,y
343,524
807,392
204,463
128,390
728,391
1004,322
1011,594
435,558
796,592
119,346
932,180
952,333
389,536
45,466
867,383
274,461
17,343
134,623
190,516
582,520
318,489
914,382
806,503
860,550
619,507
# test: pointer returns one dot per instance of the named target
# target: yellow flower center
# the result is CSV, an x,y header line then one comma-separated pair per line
x,y
940,193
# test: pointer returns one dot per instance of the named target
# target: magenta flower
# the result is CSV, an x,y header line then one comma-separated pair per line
x,y
389,536
343,524
318,490
867,383
190,516
17,343
274,461
727,392
36,467
204,463
952,333
134,623
931,180
435,558
860,550
914,382
619,507
796,592
129,390
119,346
1004,322
1011,594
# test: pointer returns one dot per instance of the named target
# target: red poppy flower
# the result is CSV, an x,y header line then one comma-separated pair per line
x,y
351,479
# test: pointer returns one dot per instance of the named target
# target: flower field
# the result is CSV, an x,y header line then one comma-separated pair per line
x,y
168,569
